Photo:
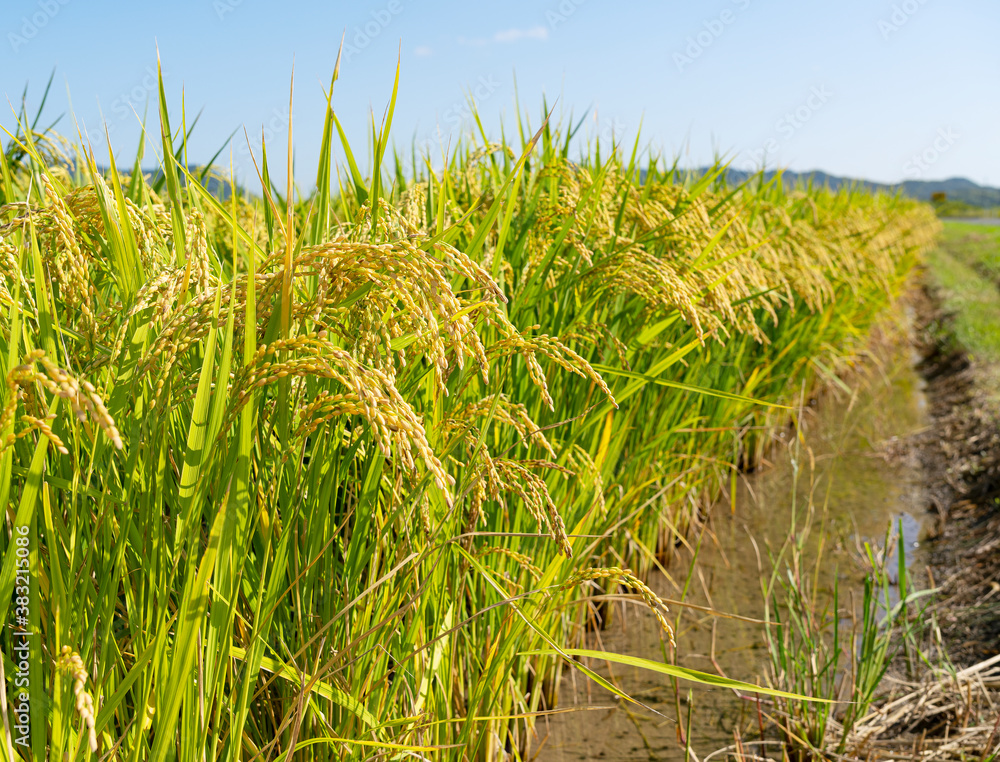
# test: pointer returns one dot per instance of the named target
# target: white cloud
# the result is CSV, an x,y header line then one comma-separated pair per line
x,y
422,51
507,36
515,35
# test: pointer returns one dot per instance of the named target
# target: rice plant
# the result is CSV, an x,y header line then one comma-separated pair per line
x,y
323,477
814,652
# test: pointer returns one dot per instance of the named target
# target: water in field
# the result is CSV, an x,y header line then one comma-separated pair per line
x,y
850,468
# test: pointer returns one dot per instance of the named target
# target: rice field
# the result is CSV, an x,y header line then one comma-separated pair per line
x,y
331,476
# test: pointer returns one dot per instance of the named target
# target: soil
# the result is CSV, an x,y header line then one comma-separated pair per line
x,y
960,456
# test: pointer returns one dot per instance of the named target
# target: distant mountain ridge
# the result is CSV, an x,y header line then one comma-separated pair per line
x,y
956,188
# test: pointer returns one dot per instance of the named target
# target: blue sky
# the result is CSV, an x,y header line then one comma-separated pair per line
x,y
883,89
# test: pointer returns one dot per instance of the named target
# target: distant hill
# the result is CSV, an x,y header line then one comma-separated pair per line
x,y
220,188
956,188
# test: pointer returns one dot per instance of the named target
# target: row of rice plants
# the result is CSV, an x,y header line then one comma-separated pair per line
x,y
333,466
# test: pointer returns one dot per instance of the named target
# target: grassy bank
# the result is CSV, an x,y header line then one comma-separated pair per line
x,y
965,269
311,475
